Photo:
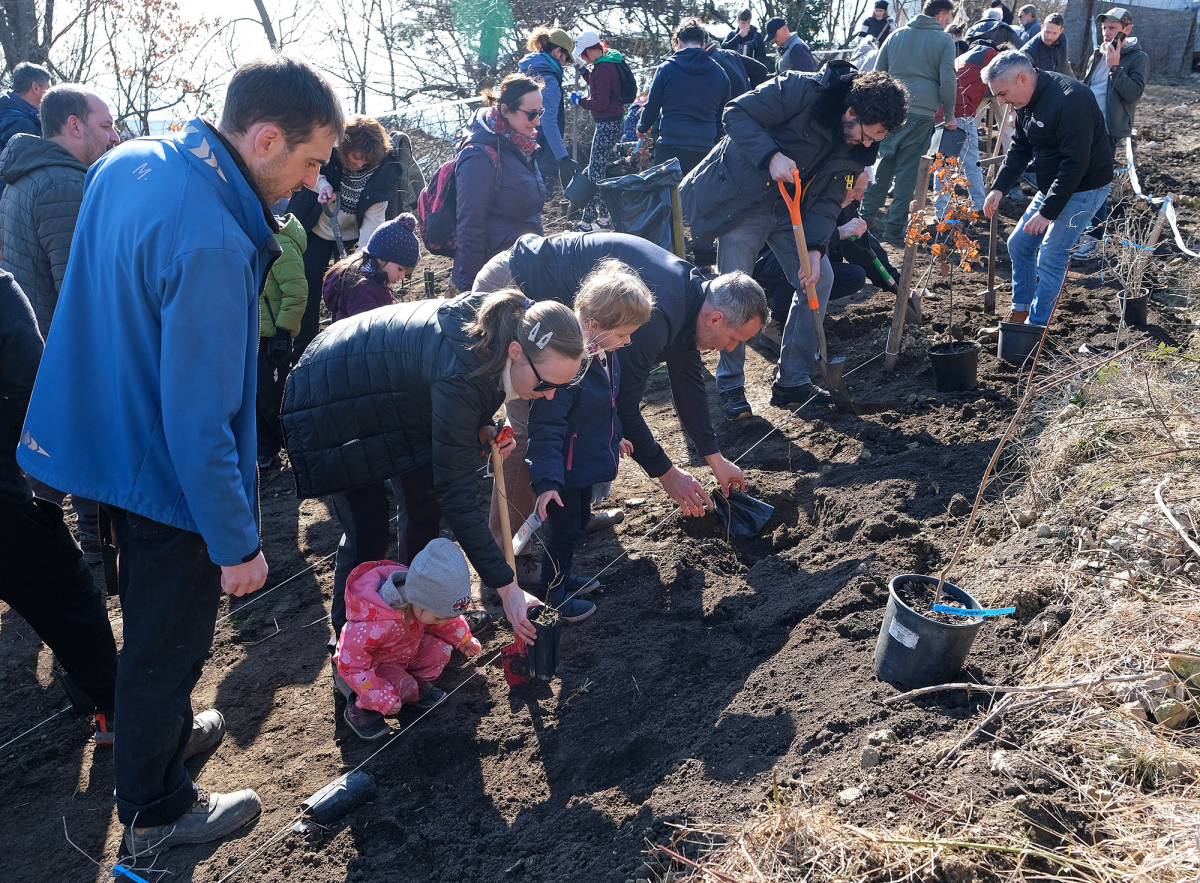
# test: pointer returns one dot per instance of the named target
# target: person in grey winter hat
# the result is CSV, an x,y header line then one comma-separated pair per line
x,y
437,581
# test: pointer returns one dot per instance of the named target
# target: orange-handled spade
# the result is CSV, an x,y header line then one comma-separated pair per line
x,y
830,370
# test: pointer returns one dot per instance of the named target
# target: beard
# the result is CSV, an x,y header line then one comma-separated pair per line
x,y
272,179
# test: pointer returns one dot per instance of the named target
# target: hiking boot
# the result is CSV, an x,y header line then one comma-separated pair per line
x,y
208,728
529,572
211,817
795,396
428,696
93,550
604,519
366,723
735,404
478,621
570,609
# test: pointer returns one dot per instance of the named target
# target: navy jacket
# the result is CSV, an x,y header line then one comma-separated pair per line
x,y
552,267
17,115
574,437
689,92
731,63
20,353
1048,58
751,45
1062,131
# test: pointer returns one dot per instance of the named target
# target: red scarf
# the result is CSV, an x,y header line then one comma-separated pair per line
x,y
500,126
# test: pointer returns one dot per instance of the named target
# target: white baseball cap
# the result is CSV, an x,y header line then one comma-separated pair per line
x,y
586,40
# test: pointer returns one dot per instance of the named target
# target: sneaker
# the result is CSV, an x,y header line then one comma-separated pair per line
x,y
604,519
575,586
366,723
795,396
1017,194
572,609
208,728
211,817
1087,249
428,696
584,227
267,462
603,223
478,621
93,551
106,734
735,404
529,572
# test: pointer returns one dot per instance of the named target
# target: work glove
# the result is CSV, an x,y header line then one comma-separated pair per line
x,y
279,349
566,170
576,97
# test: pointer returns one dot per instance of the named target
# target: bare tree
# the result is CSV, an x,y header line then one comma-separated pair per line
x,y
29,31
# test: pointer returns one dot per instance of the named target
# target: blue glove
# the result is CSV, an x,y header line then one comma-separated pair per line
x,y
575,97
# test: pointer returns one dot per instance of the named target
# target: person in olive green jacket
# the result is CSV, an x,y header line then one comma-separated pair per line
x,y
281,306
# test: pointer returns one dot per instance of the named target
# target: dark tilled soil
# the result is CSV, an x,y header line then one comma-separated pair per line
x,y
711,670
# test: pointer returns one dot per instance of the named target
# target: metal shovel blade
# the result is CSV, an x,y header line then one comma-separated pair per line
x,y
832,372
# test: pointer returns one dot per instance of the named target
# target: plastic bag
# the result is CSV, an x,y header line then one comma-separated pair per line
x,y
742,515
641,204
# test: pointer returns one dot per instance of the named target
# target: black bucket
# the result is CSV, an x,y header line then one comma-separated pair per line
x,y
917,651
543,655
955,365
1134,308
1018,340
581,190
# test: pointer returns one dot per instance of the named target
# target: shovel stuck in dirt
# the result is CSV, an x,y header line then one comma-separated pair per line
x,y
830,370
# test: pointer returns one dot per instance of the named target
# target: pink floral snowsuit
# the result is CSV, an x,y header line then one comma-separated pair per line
x,y
385,654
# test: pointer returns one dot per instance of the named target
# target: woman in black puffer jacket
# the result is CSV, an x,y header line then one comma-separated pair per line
x,y
407,393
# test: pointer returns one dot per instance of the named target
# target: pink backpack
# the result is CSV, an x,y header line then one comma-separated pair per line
x,y
437,207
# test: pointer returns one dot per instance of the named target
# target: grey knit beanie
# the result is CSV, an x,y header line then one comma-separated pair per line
x,y
438,580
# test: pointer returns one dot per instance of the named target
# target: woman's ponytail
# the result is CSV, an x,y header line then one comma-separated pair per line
x,y
507,315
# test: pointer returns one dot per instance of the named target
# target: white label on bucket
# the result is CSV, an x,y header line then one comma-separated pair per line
x,y
907,637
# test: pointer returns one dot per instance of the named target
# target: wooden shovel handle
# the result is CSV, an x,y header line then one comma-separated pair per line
x,y
793,204
505,525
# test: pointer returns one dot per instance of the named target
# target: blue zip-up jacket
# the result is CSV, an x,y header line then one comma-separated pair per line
x,y
550,129
155,338
574,437
690,91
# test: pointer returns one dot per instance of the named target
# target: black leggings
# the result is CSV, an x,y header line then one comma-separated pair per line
x,y
317,256
561,531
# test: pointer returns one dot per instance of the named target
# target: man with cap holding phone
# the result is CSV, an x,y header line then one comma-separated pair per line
x,y
1116,73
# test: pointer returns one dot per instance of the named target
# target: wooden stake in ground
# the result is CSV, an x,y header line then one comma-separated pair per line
x,y
676,222
906,270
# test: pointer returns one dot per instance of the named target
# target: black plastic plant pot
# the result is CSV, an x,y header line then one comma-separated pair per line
x,y
339,797
543,655
955,365
917,651
1018,340
1134,307
581,190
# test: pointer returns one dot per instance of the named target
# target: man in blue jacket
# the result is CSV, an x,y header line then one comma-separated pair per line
x,y
689,92
172,245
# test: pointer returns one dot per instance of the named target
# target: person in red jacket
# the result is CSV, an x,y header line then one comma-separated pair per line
x,y
604,102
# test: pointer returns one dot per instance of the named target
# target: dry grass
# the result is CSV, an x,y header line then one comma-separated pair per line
x,y
1126,786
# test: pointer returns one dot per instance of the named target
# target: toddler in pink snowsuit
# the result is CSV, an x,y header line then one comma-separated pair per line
x,y
403,624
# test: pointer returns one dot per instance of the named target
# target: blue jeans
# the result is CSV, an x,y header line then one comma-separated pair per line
x,y
1040,262
169,591
968,163
768,223
899,156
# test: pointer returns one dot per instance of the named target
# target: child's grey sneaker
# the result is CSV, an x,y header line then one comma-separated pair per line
x,y
211,817
367,724
429,697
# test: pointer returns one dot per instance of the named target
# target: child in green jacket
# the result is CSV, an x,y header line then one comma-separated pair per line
x,y
280,308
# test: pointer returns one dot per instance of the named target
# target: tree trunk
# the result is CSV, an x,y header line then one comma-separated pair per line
x,y
266,23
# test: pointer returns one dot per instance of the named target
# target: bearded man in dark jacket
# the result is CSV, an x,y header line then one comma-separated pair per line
x,y
824,126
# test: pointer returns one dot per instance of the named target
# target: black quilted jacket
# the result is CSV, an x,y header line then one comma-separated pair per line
x,y
384,392
44,187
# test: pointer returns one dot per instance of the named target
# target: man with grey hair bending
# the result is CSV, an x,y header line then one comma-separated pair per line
x,y
691,315
1059,126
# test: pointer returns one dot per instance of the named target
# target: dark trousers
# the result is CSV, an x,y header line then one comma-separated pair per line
x,y
267,402
689,157
848,279
364,514
48,583
169,591
317,256
561,530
